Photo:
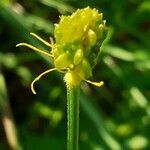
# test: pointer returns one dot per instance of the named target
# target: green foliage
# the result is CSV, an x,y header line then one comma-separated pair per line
x,y
116,115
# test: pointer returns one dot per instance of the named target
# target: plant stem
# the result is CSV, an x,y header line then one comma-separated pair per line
x,y
73,117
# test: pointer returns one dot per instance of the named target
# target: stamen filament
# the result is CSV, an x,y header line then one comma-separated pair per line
x,y
52,41
34,48
38,77
98,84
40,39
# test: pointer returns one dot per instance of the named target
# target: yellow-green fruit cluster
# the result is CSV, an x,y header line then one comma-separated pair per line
x,y
78,40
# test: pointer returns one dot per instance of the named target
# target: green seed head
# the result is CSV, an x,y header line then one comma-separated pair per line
x,y
78,39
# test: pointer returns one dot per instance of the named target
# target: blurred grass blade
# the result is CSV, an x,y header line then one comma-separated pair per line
x,y
96,118
109,61
61,6
7,117
39,23
139,98
17,22
119,53
130,28
19,26
3,91
143,66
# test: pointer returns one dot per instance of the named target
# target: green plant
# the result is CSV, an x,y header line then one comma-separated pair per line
x,y
75,52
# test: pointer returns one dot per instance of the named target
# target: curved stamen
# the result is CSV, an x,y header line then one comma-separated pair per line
x,y
34,48
38,77
98,84
52,41
40,39
53,45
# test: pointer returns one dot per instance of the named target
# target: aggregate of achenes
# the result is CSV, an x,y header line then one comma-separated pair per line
x,y
78,40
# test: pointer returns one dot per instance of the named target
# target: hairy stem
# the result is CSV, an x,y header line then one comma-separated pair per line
x,y
73,117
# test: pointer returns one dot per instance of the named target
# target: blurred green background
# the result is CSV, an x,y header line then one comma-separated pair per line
x,y
116,116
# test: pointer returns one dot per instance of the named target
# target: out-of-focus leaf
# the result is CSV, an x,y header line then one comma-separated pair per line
x,y
124,130
54,116
4,3
140,35
17,22
109,61
24,74
97,120
61,6
137,142
39,23
142,55
55,92
8,60
140,99
7,117
42,142
3,91
119,53
144,6
20,28
143,66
